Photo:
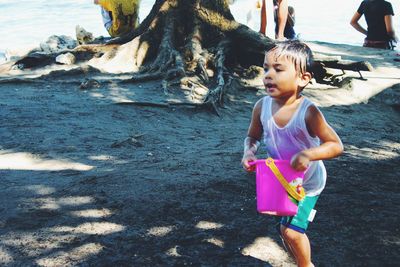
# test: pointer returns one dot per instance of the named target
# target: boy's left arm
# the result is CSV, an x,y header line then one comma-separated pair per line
x,y
331,145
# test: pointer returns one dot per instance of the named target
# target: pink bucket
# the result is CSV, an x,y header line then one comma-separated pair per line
x,y
272,197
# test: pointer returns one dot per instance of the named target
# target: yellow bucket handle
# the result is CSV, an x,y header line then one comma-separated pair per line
x,y
291,191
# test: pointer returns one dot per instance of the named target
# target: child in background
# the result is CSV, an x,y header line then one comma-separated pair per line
x,y
282,16
294,129
378,15
288,31
119,16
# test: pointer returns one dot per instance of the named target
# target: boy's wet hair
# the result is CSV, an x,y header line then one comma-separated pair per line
x,y
297,52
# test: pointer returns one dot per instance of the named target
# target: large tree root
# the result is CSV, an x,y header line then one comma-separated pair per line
x,y
167,104
203,54
215,96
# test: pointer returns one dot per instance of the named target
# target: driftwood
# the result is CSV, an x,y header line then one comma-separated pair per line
x,y
322,63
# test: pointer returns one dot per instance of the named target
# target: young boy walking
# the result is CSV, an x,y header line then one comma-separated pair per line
x,y
294,129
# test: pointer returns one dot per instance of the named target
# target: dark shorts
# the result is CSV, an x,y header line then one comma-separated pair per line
x,y
376,44
288,32
305,214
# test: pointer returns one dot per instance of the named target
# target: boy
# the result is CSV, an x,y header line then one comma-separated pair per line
x,y
294,129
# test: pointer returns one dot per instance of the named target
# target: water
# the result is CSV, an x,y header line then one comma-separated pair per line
x,y
26,23
324,20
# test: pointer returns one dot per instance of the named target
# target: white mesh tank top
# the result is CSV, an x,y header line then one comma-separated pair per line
x,y
284,142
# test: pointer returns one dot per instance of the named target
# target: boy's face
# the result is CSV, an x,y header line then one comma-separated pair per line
x,y
280,76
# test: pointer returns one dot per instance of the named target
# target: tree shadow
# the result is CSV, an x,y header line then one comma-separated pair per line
x,y
117,211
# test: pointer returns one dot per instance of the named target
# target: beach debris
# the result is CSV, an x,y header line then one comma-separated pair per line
x,y
57,43
66,59
89,84
14,54
83,36
321,62
34,59
18,67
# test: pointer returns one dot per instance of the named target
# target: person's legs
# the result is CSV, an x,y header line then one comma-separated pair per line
x,y
293,229
285,244
263,24
299,245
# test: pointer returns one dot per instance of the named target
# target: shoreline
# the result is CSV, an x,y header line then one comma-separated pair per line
x,y
26,48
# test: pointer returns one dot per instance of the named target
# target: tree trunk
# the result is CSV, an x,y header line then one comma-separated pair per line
x,y
195,41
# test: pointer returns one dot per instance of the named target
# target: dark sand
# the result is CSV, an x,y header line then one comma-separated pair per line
x,y
87,182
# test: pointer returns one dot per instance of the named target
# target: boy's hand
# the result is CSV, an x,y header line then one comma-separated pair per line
x,y
248,157
300,161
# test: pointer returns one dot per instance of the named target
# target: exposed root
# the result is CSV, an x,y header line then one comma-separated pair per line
x,y
148,104
194,48
167,104
95,48
201,64
168,64
198,91
167,52
180,67
145,77
216,95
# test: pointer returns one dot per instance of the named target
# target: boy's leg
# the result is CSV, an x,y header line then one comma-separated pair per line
x,y
293,231
299,245
279,229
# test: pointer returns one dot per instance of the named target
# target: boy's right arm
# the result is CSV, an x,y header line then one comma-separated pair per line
x,y
252,141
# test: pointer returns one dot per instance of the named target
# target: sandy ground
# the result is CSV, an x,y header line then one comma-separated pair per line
x,y
85,181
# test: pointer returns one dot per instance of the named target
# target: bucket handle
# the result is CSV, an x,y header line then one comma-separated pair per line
x,y
290,190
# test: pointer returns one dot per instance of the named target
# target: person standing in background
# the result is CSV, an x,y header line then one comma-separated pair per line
x,y
378,15
119,16
292,128
288,31
283,17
